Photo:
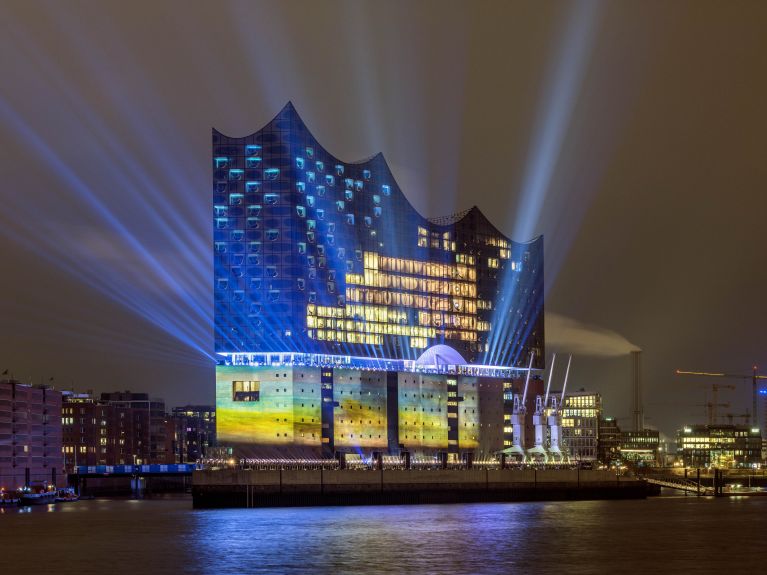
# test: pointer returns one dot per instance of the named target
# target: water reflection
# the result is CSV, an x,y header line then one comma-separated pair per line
x,y
148,537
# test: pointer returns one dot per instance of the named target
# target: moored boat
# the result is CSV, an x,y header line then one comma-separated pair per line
x,y
38,496
9,497
66,494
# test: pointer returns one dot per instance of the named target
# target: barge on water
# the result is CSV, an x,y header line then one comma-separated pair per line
x,y
295,487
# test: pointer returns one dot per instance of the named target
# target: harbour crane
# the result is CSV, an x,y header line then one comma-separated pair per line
x,y
555,419
539,420
518,420
754,377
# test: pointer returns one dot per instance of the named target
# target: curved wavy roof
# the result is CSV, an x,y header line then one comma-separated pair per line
x,y
289,114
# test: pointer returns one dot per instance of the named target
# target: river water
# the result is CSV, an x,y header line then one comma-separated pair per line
x,y
659,535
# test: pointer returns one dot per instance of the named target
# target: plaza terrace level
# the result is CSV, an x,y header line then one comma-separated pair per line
x,y
345,320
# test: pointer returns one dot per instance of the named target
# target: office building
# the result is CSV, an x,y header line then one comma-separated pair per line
x,y
195,432
721,446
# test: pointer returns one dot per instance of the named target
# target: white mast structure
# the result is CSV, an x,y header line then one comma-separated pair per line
x,y
539,421
518,420
555,420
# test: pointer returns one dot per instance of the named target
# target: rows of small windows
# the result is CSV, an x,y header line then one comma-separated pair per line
x,y
310,202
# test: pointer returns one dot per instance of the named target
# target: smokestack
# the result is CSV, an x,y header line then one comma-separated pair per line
x,y
635,380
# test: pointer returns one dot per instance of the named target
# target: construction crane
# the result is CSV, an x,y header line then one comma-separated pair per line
x,y
712,416
754,377
746,417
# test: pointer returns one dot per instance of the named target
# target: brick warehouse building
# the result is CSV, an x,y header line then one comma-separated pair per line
x,y
30,435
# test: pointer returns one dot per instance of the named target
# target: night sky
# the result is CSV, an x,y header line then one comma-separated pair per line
x,y
630,134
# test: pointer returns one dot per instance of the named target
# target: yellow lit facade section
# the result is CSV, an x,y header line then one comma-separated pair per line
x,y
379,303
422,412
267,406
359,420
468,414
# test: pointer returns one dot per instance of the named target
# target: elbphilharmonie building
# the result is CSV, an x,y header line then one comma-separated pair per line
x,y
346,321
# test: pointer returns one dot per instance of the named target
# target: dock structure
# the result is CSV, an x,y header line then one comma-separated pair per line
x,y
296,487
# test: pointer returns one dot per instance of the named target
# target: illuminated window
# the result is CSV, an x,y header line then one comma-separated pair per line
x,y
252,163
252,150
246,390
252,187
271,173
300,163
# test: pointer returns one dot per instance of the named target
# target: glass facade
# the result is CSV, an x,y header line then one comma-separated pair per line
x,y
314,255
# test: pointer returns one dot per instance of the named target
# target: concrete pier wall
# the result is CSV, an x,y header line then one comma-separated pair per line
x,y
266,488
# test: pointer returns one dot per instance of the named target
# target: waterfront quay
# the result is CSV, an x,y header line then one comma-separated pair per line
x,y
306,487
